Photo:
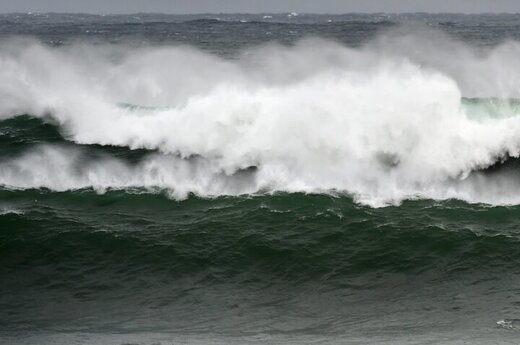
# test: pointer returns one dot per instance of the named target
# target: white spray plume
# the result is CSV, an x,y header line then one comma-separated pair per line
x,y
383,122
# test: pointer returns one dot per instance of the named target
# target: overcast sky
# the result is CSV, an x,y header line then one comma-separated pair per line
x,y
255,6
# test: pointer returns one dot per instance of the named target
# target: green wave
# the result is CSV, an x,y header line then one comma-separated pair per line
x,y
490,108
280,236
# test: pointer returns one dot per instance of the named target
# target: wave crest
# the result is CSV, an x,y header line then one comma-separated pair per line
x,y
381,123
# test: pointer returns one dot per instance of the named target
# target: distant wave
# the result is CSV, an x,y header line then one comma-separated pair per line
x,y
408,115
204,21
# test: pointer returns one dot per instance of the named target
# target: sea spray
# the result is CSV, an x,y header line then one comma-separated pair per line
x,y
375,122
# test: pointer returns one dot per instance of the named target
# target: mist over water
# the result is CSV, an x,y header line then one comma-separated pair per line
x,y
382,122
253,179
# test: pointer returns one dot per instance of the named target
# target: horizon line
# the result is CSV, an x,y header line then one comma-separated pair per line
x,y
259,13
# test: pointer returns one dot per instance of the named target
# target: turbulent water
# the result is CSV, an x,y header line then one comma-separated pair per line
x,y
253,179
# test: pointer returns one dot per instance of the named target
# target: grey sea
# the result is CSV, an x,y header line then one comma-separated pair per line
x,y
259,179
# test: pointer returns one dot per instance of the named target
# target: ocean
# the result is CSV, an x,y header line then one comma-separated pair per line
x,y
259,179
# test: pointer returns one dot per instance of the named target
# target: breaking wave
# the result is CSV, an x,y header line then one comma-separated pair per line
x,y
408,115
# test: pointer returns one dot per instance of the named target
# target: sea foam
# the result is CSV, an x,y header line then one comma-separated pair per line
x,y
383,122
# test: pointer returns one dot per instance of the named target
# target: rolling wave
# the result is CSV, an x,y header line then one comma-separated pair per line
x,y
384,122
323,237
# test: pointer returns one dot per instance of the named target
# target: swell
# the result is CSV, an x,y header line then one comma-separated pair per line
x,y
281,238
80,262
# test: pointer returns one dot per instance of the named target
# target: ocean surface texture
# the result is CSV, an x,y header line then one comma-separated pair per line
x,y
259,179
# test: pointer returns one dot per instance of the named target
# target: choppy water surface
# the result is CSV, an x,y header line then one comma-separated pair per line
x,y
245,179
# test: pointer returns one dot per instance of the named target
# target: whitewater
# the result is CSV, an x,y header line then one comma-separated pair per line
x,y
251,179
411,114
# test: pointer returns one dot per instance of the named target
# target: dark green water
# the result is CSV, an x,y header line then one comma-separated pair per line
x,y
108,239
283,264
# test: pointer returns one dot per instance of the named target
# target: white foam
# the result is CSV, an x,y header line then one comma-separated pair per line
x,y
383,122
7,209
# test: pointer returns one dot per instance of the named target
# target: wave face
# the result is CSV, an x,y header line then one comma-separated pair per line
x,y
125,268
407,115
